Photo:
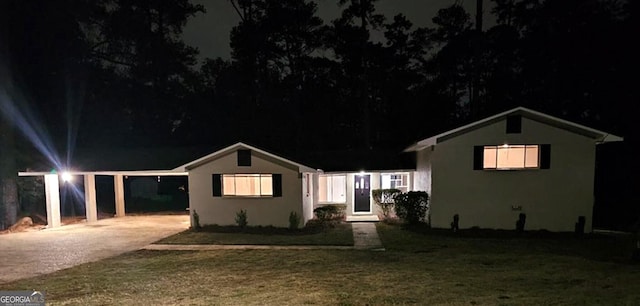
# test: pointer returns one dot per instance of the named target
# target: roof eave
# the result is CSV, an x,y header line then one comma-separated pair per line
x,y
422,144
606,137
610,138
198,162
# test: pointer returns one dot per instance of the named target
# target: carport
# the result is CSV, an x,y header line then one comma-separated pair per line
x,y
52,190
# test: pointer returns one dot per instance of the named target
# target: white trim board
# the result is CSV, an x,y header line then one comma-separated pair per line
x,y
433,140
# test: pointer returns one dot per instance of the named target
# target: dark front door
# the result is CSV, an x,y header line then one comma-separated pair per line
x,y
361,192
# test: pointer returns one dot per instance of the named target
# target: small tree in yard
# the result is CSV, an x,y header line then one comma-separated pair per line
x,y
412,206
294,220
196,221
384,198
241,218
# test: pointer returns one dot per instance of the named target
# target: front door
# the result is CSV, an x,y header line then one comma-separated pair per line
x,y
361,193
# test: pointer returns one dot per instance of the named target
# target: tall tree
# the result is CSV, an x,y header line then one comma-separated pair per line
x,y
93,67
352,46
272,47
451,66
140,41
397,76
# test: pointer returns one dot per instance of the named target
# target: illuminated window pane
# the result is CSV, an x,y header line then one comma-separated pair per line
x,y
490,157
332,188
511,157
339,185
323,189
395,181
385,181
266,184
247,185
228,184
532,157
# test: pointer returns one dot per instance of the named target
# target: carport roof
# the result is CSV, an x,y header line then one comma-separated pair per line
x,y
166,161
126,161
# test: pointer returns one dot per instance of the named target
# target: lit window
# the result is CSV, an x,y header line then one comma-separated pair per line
x,y
395,181
509,157
247,185
332,189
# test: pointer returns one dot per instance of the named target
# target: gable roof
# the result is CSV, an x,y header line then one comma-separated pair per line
x,y
239,146
597,135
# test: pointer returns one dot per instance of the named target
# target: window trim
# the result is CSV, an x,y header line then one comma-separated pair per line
x,y
259,175
332,176
524,167
406,175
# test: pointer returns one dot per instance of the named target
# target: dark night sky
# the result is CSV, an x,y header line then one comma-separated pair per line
x,y
210,32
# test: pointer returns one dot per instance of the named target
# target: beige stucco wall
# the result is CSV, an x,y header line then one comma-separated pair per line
x,y
308,195
350,197
422,176
551,198
260,211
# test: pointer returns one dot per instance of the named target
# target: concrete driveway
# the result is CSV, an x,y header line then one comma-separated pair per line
x,y
34,253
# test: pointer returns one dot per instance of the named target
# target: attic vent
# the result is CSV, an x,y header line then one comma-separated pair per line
x,y
514,124
244,158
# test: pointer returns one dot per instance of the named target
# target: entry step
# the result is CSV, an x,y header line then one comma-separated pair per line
x,y
363,218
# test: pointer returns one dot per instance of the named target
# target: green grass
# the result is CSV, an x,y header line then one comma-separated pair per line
x,y
421,268
341,234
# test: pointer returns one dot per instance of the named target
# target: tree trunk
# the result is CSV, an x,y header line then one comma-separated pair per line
x,y
8,187
364,94
10,201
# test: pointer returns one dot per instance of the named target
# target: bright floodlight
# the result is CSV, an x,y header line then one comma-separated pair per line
x,y
66,176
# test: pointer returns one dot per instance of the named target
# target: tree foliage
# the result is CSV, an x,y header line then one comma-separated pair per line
x,y
116,72
412,207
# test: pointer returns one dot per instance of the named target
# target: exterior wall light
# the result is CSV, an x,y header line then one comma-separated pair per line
x,y
66,177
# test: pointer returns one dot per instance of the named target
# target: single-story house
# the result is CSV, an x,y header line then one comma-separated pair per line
x,y
488,173
242,177
516,162
269,187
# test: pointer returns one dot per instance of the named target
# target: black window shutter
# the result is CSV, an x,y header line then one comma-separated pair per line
x,y
545,156
277,185
216,184
244,158
514,124
478,157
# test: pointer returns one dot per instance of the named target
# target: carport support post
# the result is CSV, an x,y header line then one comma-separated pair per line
x,y
118,186
90,197
52,195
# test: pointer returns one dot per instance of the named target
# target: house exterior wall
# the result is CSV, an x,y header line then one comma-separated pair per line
x,y
422,177
552,199
260,210
375,183
308,195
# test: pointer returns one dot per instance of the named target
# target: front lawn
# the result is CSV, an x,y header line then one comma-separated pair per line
x,y
420,268
341,234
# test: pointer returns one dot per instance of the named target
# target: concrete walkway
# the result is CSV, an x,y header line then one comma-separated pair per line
x,y
28,254
365,236
211,247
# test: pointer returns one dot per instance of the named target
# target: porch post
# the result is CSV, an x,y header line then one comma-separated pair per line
x,y
52,195
90,197
118,186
